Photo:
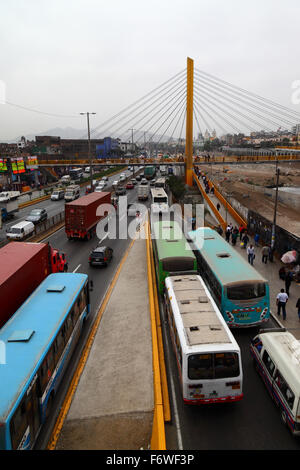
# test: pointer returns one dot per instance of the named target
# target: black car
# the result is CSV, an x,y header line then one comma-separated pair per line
x,y
138,177
120,191
37,215
101,256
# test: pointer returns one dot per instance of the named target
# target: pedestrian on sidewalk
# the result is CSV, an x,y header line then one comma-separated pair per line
x,y
256,238
245,240
281,301
298,307
250,253
228,233
241,231
288,281
218,206
265,254
234,235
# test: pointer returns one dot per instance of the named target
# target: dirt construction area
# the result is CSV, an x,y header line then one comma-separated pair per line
x,y
252,185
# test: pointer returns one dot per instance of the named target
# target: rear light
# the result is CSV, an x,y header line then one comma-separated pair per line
x,y
233,385
90,258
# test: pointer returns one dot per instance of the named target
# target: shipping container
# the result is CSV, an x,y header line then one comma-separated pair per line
x,y
81,215
23,266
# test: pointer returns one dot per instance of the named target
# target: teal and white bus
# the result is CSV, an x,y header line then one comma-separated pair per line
x,y
240,292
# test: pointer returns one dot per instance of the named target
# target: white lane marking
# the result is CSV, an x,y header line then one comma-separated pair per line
x,y
105,236
76,268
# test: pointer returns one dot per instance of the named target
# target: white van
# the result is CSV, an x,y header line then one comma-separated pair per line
x,y
20,231
57,194
66,179
72,192
276,356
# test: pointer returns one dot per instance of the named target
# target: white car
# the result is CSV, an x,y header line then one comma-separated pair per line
x,y
99,189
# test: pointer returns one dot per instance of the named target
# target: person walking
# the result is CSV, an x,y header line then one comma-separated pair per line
x,y
288,281
218,206
234,235
228,233
250,253
245,240
298,307
281,301
265,254
256,239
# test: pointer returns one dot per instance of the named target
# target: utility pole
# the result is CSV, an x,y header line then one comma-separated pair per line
x,y
131,139
275,210
89,147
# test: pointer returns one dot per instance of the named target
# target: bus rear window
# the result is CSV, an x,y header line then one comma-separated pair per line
x,y
177,264
160,200
246,291
213,366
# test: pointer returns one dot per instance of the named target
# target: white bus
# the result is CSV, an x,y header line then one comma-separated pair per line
x,y
76,173
159,201
160,183
207,355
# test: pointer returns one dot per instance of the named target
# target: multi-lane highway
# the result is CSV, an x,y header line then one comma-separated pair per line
x,y
252,424
77,253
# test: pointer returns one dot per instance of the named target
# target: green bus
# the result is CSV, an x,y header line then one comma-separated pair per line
x,y
172,252
149,172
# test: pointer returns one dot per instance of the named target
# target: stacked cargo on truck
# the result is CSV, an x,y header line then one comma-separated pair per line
x,y
83,215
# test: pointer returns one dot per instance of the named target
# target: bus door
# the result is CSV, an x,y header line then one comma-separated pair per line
x,y
32,410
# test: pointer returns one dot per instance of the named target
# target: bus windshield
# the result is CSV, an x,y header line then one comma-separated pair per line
x,y
246,291
160,200
213,366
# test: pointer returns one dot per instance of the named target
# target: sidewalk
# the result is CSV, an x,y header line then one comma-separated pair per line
x,y
270,272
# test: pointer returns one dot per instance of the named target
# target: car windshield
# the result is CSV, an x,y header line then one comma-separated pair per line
x,y
35,212
15,230
246,291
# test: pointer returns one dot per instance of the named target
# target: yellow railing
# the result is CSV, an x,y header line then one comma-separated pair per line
x,y
210,203
161,397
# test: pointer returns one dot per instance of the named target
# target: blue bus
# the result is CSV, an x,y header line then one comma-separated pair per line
x,y
38,343
240,292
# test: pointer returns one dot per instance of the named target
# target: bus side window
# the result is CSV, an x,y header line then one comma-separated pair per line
x,y
270,366
284,388
59,345
68,328
18,424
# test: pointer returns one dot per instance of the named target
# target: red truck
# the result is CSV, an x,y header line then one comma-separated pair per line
x,y
23,267
80,215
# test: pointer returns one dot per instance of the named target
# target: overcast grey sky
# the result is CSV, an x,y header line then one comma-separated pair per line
x,y
67,56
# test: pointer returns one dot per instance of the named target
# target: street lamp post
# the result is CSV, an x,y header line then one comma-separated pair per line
x,y
89,147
